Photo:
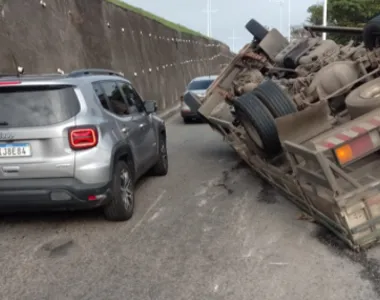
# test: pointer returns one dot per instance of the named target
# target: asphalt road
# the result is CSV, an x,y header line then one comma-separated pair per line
x,y
208,230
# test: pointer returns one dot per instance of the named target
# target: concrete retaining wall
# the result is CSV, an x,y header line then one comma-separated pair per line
x,y
74,34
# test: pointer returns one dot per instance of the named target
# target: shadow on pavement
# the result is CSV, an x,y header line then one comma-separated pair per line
x,y
58,215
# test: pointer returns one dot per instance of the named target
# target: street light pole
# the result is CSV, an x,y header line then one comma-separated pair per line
x,y
289,23
209,11
281,8
324,18
281,3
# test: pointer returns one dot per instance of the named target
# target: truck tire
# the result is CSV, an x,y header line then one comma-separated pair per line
x,y
256,29
275,99
364,99
371,31
259,124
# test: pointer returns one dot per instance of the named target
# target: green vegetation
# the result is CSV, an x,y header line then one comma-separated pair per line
x,y
353,13
347,13
177,27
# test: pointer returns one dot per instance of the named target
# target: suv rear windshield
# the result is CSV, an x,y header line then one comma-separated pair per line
x,y
200,84
37,105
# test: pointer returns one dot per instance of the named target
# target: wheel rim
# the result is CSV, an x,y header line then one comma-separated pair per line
x,y
164,154
126,188
252,133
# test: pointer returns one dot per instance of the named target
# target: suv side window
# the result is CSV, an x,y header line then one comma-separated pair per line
x,y
116,99
134,100
102,97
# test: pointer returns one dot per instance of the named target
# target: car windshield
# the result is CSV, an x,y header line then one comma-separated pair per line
x,y
200,84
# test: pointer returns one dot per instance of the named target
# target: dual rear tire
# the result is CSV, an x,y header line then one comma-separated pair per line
x,y
257,111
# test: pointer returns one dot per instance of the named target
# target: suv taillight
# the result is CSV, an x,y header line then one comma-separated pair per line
x,y
83,137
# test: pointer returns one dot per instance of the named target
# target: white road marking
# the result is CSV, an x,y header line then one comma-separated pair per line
x,y
278,263
155,215
138,224
201,192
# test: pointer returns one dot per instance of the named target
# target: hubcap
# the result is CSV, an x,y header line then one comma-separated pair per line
x,y
126,188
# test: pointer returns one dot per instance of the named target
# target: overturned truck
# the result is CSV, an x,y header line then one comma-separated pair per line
x,y
305,115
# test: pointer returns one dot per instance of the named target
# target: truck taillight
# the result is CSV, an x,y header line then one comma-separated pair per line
x,y
83,137
358,147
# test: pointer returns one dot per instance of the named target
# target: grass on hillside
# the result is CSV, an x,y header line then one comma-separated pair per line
x,y
140,11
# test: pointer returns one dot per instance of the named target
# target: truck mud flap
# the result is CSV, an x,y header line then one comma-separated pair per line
x,y
353,216
305,124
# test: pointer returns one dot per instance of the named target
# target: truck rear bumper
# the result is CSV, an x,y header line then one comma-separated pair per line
x,y
51,194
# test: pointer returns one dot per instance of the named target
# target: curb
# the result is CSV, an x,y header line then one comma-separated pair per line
x,y
169,112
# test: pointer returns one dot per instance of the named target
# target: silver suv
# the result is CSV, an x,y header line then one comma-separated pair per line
x,y
76,141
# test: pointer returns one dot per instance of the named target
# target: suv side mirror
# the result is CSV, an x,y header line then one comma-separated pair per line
x,y
150,106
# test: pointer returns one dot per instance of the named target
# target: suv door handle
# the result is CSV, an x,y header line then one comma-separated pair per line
x,y
141,126
124,130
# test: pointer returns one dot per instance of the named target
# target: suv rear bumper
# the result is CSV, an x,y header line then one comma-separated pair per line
x,y
51,193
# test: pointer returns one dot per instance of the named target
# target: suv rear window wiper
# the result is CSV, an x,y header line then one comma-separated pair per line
x,y
4,123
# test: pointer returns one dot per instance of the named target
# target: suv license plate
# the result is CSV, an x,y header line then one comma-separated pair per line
x,y
15,150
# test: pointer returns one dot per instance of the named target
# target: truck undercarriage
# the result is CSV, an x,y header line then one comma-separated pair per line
x,y
305,116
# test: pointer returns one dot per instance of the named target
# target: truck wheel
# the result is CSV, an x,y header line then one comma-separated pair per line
x,y
275,100
256,29
122,202
259,124
364,99
371,37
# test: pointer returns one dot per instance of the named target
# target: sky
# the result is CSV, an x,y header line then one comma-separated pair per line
x,y
231,15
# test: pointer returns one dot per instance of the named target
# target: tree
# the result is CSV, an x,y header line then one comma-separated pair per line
x,y
349,13
316,14
353,13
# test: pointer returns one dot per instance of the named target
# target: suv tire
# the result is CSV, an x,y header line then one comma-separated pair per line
x,y
122,202
162,166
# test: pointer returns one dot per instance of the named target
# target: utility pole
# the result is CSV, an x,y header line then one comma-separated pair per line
x,y
289,22
233,38
281,3
209,11
324,18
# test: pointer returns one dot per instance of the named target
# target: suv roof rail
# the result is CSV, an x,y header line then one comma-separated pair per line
x,y
2,75
84,72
